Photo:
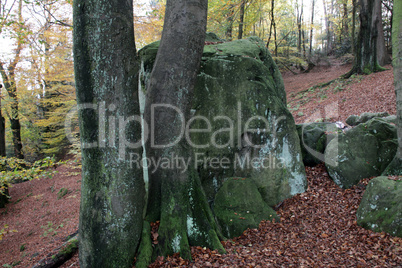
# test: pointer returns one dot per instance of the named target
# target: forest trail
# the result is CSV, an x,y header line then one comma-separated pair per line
x,y
342,98
317,227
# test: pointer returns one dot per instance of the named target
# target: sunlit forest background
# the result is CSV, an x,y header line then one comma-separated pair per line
x,y
37,63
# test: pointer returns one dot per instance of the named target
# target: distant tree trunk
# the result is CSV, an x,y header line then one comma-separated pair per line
x,y
2,131
311,28
241,23
395,167
112,188
345,27
299,27
175,196
366,47
230,19
354,27
328,28
272,19
382,54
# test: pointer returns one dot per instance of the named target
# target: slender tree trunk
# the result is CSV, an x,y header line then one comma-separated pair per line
x,y
382,54
175,195
311,28
354,27
395,167
345,27
275,40
112,187
272,21
299,27
2,131
241,23
229,28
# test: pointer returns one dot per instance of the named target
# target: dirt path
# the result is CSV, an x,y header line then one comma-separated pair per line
x,y
371,93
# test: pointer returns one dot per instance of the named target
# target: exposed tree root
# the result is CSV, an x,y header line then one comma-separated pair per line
x,y
59,255
186,220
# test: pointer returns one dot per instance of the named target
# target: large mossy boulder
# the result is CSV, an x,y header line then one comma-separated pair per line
x,y
314,138
239,205
240,124
381,206
362,152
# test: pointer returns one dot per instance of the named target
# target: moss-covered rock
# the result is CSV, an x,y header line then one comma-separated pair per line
x,y
314,138
355,120
239,205
243,127
381,206
362,152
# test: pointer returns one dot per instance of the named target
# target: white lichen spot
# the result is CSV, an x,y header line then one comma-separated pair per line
x,y
176,243
215,183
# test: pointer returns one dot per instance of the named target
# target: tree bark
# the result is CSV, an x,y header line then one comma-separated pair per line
x,y
395,167
175,194
112,190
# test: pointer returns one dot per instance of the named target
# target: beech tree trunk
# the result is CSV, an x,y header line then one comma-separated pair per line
x,y
395,167
175,194
112,189
366,47
382,54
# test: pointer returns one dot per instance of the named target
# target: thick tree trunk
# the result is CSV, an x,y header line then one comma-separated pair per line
x,y
112,190
366,47
175,194
382,55
395,167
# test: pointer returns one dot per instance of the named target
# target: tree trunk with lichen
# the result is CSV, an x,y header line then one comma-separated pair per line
x,y
176,198
395,167
112,190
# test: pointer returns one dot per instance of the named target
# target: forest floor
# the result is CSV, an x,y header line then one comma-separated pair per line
x,y
317,228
